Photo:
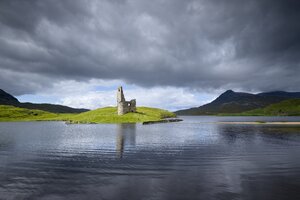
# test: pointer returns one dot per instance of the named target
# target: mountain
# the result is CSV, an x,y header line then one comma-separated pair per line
x,y
281,94
53,108
8,99
237,102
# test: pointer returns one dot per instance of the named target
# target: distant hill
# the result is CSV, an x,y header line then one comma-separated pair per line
x,y
12,113
281,94
8,99
289,107
238,102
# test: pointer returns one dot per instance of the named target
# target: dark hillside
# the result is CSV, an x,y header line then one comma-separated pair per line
x,y
8,99
237,102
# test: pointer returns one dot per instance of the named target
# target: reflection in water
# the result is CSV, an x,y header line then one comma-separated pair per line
x,y
186,160
231,133
235,133
126,134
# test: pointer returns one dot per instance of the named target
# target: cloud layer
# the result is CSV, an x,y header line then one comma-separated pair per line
x,y
195,44
99,93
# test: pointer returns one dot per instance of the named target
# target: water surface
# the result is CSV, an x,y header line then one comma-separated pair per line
x,y
193,159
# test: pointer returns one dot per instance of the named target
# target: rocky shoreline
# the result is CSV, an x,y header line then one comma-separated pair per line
x,y
163,121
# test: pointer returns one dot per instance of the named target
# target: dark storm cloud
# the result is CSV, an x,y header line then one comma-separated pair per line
x,y
249,45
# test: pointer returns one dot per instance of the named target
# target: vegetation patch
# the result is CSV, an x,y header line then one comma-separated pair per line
x,y
260,122
289,107
285,108
101,115
11,113
109,115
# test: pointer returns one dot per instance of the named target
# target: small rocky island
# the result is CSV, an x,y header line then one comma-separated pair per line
x,y
124,112
125,107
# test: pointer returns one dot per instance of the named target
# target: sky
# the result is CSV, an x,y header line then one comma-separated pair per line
x,y
170,54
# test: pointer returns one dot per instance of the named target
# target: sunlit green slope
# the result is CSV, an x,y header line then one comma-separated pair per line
x,y
109,115
101,115
11,113
285,108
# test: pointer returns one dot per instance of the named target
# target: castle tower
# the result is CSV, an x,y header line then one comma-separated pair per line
x,y
120,95
123,105
121,101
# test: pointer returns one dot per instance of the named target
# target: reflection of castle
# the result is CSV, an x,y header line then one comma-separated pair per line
x,y
123,105
125,137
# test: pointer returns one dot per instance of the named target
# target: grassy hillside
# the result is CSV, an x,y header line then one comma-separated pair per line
x,y
285,108
102,115
234,103
109,115
11,113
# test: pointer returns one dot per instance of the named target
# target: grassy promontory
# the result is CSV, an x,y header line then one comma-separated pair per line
x,y
101,115
109,115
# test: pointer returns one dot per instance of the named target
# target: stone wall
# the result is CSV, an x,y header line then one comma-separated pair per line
x,y
123,105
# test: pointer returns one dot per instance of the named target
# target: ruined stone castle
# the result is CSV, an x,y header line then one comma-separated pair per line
x,y
123,105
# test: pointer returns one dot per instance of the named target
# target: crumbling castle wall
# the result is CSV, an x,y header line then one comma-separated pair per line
x,y
123,105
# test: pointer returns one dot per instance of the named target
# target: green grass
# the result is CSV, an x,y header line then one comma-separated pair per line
x,y
289,107
101,115
285,108
11,113
109,115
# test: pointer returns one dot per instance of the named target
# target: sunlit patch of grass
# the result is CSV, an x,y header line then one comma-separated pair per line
x,y
109,115
101,115
289,107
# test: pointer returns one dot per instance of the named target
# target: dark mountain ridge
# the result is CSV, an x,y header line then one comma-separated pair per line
x,y
236,102
8,99
281,94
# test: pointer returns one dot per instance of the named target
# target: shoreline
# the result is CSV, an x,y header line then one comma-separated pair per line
x,y
167,120
262,123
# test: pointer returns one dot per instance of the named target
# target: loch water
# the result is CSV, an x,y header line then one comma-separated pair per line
x,y
192,159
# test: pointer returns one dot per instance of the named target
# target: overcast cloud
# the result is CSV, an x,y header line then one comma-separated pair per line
x,y
201,45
